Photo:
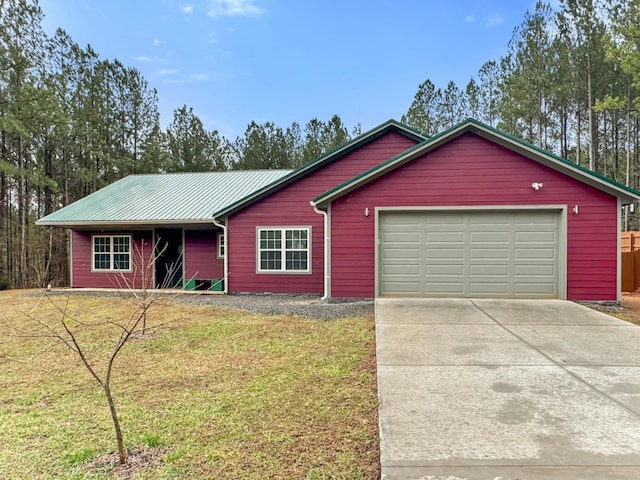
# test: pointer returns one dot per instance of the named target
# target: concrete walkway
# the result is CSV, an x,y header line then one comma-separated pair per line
x,y
506,389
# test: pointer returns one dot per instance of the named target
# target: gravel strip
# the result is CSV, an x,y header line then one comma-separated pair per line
x,y
308,306
605,307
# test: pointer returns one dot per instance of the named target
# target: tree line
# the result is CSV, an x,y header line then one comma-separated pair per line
x,y
569,83
72,122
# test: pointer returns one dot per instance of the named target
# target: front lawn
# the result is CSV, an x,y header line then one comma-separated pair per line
x,y
214,393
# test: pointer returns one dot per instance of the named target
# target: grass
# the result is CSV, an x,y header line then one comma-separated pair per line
x,y
225,394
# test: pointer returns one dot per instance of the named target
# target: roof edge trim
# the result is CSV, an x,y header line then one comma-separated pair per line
x,y
124,223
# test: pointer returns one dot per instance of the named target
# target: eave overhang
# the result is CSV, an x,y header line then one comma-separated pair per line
x,y
123,224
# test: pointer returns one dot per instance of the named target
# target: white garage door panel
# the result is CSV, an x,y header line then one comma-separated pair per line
x,y
401,270
444,253
488,253
400,253
535,289
483,270
532,253
449,288
434,221
489,237
501,253
535,270
484,288
445,237
407,288
535,237
404,237
444,269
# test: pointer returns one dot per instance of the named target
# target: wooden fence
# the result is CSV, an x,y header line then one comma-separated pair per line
x,y
630,252
630,241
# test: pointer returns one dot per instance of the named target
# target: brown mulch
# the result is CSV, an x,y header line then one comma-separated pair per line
x,y
138,458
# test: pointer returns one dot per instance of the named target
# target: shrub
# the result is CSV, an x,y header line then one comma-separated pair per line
x,y
5,284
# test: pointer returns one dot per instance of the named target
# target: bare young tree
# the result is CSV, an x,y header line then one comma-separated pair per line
x,y
68,329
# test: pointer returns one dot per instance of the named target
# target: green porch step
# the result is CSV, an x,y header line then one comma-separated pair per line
x,y
213,284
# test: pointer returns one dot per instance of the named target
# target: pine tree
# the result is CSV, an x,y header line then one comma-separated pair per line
x,y
423,112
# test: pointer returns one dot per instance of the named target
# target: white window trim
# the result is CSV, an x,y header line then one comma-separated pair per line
x,y
111,253
283,249
220,245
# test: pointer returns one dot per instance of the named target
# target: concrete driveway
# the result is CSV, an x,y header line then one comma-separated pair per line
x,y
506,389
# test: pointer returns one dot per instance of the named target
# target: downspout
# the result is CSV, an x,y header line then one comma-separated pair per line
x,y
225,260
619,256
327,244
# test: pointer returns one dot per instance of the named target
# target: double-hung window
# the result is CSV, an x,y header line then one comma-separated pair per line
x,y
111,253
221,245
284,250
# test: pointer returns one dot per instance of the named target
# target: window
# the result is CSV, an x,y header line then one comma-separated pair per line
x,y
112,252
283,250
221,245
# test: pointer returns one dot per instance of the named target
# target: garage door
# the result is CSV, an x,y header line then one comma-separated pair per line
x,y
470,254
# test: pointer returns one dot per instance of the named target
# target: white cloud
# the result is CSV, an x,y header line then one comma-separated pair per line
x,y
234,8
212,37
145,59
493,20
157,42
186,8
168,71
195,77
200,77
469,19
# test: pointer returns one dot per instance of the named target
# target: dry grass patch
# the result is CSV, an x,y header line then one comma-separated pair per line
x,y
630,308
224,394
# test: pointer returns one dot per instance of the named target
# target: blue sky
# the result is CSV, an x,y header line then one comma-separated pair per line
x,y
235,61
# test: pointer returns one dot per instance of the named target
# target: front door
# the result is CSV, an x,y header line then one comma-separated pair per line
x,y
168,262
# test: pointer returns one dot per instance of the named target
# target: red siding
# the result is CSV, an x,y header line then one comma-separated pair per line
x,y
472,171
290,207
200,255
83,277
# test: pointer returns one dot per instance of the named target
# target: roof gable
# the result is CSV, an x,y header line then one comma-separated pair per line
x,y
626,194
165,198
317,163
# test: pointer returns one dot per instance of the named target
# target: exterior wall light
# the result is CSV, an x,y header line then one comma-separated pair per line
x,y
536,185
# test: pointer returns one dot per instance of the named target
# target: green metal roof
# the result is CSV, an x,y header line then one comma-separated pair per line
x,y
163,198
319,162
626,194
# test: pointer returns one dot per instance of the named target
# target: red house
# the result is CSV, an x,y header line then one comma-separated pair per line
x,y
471,212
